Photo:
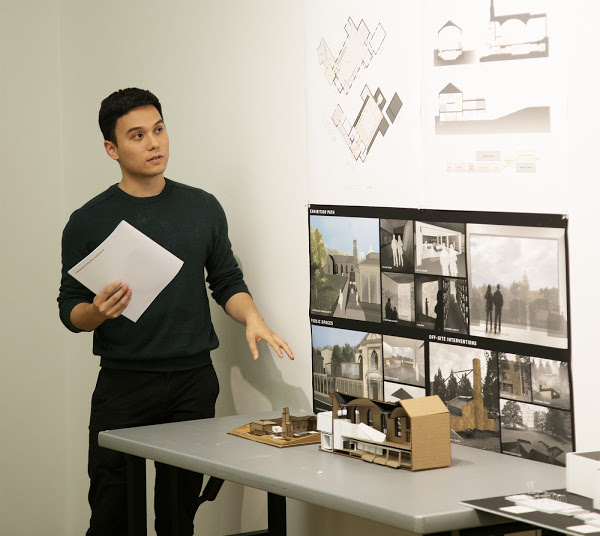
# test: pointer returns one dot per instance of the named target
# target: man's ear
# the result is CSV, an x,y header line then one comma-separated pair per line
x,y
111,149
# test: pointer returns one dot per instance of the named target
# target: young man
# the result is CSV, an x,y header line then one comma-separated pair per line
x,y
157,369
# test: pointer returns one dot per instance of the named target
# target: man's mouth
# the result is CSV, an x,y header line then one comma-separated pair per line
x,y
155,158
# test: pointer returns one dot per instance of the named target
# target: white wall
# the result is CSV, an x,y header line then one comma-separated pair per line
x,y
584,126
33,421
230,75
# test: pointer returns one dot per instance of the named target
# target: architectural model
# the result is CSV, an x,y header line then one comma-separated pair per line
x,y
410,434
286,431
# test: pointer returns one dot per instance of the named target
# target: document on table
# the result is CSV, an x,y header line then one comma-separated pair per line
x,y
130,256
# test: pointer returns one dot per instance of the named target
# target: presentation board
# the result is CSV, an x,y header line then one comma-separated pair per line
x,y
471,306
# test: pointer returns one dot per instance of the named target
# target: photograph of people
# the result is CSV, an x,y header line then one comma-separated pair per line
x,y
489,308
345,270
429,302
518,284
440,248
456,305
397,245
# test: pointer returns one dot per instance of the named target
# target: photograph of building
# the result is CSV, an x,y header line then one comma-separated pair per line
x,y
550,383
404,360
466,379
514,376
535,432
347,361
345,268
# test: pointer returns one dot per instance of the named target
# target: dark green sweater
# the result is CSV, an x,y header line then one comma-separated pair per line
x,y
175,332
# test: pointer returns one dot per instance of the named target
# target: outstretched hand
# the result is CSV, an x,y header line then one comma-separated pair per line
x,y
257,330
242,309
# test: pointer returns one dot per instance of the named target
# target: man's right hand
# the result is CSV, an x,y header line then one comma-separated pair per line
x,y
110,303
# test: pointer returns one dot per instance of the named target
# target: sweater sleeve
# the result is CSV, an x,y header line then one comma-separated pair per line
x,y
223,274
71,292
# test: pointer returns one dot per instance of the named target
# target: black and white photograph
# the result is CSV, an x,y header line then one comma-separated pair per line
x,y
550,383
456,305
347,361
397,246
518,284
429,302
440,249
344,268
393,392
514,375
535,432
404,360
398,298
466,379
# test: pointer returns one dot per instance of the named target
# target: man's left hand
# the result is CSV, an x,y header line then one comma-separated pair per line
x,y
257,330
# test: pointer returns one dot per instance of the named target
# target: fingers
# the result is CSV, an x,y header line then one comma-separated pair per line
x,y
252,345
281,345
113,300
274,341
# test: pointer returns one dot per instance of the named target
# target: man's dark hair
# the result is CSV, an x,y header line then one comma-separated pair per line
x,y
120,102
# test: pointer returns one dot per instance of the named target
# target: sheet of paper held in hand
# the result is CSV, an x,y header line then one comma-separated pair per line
x,y
130,256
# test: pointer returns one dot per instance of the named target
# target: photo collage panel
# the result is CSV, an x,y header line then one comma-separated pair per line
x,y
472,307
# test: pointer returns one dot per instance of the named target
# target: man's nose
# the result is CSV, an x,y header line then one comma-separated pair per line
x,y
152,141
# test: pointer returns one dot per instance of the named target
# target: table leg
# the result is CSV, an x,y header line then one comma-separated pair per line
x,y
277,515
136,495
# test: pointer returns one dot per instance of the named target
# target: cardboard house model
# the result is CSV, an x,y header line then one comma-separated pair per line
x,y
411,434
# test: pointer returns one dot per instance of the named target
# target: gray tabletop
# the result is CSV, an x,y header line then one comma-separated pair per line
x,y
421,502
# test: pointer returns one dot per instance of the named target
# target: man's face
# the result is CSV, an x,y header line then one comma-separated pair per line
x,y
142,147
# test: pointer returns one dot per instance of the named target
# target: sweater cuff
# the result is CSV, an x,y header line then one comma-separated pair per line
x,y
224,298
65,315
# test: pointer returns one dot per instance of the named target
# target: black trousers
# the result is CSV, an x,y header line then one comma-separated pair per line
x,y
125,398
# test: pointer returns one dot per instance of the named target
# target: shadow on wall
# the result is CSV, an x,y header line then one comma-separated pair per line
x,y
248,386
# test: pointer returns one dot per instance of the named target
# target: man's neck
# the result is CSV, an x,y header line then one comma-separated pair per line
x,y
146,187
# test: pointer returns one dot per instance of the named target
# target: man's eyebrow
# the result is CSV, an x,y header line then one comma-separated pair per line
x,y
133,129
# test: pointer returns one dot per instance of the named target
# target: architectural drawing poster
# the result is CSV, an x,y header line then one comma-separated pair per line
x,y
442,104
363,97
470,306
